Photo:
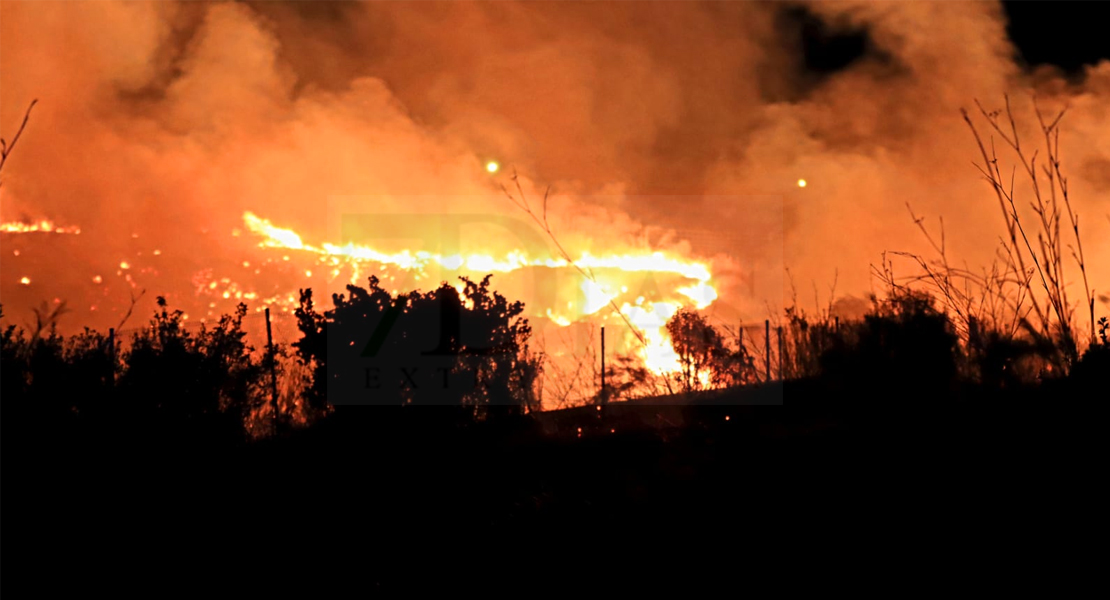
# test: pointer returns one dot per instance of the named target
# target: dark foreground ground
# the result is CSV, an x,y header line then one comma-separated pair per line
x,y
648,494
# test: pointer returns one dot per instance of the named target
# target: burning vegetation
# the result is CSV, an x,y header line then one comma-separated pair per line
x,y
428,276
215,206
1011,324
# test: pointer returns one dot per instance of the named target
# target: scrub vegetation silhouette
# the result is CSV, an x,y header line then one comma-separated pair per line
x,y
174,435
467,347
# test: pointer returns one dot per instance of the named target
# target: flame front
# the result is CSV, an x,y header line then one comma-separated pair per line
x,y
43,226
612,276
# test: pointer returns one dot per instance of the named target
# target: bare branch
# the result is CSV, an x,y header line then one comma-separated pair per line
x,y
6,148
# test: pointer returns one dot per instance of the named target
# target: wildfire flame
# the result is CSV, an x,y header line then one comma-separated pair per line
x,y
43,226
648,315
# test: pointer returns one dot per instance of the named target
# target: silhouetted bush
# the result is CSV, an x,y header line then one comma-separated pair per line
x,y
169,383
51,378
1002,360
1092,373
438,348
193,383
905,347
805,340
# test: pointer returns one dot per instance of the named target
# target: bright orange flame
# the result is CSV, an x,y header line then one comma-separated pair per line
x,y
43,226
648,316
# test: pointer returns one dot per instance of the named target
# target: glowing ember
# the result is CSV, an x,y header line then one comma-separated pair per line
x,y
492,166
25,281
43,226
801,183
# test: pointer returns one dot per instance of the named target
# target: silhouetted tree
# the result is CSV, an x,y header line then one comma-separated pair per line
x,y
705,358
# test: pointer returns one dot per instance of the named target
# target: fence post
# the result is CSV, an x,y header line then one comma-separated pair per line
x,y
740,353
767,346
604,398
779,331
112,355
273,372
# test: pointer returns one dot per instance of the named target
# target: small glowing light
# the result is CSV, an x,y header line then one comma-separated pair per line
x,y
157,252
25,281
801,183
308,273
97,279
726,417
124,265
492,166
15,252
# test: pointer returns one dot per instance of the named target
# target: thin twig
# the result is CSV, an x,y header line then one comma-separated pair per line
x,y
5,147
